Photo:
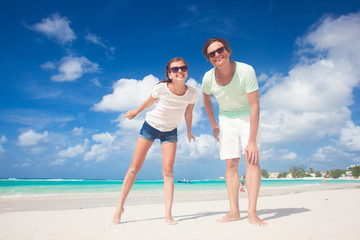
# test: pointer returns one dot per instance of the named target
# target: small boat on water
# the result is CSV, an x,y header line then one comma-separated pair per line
x,y
184,181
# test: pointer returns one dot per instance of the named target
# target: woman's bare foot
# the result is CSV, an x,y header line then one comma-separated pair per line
x,y
255,220
117,216
230,217
171,221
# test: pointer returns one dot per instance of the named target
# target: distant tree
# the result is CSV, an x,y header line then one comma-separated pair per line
x,y
264,173
298,172
282,175
311,170
318,174
336,173
355,171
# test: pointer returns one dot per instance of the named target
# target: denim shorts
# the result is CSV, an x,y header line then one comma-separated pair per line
x,y
149,133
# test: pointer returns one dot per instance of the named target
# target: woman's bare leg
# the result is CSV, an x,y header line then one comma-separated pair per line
x,y
141,149
169,152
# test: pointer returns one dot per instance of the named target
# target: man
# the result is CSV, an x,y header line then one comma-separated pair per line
x,y
236,90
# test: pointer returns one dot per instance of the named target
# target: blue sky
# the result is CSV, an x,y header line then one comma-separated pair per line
x,y
70,70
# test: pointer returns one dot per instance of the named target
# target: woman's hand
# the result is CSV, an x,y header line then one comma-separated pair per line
x,y
191,136
131,114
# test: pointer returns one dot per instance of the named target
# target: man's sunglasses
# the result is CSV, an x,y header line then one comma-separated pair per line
x,y
176,69
219,51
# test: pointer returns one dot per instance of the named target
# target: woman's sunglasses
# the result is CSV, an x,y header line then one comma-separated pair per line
x,y
219,51
176,69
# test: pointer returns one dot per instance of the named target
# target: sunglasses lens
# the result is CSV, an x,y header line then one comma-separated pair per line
x,y
176,69
212,54
219,51
184,68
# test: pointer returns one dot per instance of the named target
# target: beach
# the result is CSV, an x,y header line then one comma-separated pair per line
x,y
328,211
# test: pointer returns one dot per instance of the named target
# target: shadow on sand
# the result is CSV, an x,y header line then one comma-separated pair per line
x,y
274,213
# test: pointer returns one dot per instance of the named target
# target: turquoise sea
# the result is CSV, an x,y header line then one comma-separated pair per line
x,y
14,187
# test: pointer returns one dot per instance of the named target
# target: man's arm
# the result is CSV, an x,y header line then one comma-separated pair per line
x,y
211,115
252,151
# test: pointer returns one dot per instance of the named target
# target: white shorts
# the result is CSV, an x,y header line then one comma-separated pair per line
x,y
234,135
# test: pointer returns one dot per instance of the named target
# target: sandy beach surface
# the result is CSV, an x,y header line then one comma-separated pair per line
x,y
311,212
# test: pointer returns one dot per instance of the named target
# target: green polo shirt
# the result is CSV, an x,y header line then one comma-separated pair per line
x,y
232,98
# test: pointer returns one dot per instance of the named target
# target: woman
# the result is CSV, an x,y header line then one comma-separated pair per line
x,y
174,99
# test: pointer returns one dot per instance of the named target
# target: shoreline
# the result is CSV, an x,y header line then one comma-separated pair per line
x,y
157,180
140,197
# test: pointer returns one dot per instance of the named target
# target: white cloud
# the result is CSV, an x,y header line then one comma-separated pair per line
x,y
48,66
326,154
71,68
96,82
337,36
35,118
204,148
267,154
78,131
75,151
271,154
55,27
127,94
102,151
131,125
31,138
350,136
313,100
289,156
104,138
98,41
2,140
58,162
332,154
97,152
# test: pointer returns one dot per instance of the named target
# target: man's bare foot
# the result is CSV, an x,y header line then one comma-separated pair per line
x,y
171,221
255,220
117,216
230,217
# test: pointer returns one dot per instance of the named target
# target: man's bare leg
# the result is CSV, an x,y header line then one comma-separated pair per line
x,y
232,185
253,179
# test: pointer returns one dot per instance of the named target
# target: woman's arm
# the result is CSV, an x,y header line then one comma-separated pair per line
x,y
188,121
147,103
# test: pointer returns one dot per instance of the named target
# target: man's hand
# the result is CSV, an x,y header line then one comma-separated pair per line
x,y
251,153
216,132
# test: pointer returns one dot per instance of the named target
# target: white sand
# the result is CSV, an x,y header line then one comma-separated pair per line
x,y
310,214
